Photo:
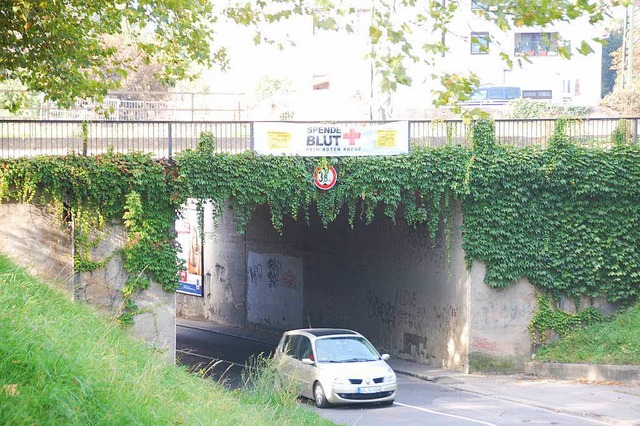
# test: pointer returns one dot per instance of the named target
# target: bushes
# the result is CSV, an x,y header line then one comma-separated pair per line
x,y
624,102
529,108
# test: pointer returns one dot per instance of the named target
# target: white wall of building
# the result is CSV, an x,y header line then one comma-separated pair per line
x,y
339,60
576,79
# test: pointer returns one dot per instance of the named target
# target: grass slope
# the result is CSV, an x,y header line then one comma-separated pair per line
x,y
63,363
612,342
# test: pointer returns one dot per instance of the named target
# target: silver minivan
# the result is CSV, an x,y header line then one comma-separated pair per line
x,y
494,95
335,366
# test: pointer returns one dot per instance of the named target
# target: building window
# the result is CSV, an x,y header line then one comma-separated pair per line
x,y
537,94
536,44
479,43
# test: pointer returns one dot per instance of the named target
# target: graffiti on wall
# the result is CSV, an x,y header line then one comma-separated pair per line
x,y
274,290
509,313
411,313
273,271
255,273
402,310
484,344
381,309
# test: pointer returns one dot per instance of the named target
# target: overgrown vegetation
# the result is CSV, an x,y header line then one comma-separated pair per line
x,y
616,341
624,102
420,186
530,108
111,188
550,319
566,217
61,363
261,383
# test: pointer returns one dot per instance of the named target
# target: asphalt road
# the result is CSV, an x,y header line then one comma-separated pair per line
x,y
418,402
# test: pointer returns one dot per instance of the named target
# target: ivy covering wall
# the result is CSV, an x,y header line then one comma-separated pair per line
x,y
131,189
567,218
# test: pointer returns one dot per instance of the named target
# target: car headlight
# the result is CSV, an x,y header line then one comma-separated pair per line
x,y
340,381
390,376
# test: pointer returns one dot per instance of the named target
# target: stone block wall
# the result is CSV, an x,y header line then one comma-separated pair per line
x,y
37,239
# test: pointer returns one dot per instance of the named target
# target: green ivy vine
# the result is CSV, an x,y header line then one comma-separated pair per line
x,y
566,217
419,186
104,189
549,318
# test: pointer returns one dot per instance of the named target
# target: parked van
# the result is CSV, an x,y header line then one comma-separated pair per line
x,y
494,95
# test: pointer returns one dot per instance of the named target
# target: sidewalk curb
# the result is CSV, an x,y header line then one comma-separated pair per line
x,y
459,385
625,374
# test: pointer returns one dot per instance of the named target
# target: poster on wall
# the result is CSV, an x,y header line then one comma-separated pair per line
x,y
274,290
188,230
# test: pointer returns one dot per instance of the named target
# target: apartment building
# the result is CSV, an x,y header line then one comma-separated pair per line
x,y
332,78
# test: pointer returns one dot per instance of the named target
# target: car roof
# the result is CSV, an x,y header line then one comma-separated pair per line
x,y
321,332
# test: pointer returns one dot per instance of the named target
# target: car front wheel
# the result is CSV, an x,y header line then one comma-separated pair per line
x,y
320,397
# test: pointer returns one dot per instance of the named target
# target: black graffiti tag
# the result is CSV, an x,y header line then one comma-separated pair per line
x,y
255,272
273,272
384,311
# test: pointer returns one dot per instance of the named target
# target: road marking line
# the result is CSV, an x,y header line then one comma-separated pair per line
x,y
209,358
444,414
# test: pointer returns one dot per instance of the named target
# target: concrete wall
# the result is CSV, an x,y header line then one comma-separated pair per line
x,y
36,238
225,270
275,290
102,288
406,292
498,318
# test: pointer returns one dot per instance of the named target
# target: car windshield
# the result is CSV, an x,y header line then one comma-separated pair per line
x,y
345,349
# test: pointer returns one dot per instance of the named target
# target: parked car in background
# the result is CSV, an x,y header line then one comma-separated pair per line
x,y
335,366
494,95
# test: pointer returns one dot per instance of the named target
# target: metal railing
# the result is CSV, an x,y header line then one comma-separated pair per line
x,y
165,138
135,106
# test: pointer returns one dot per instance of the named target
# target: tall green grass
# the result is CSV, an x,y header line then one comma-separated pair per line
x,y
613,342
64,363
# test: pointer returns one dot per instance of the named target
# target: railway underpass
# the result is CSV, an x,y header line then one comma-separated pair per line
x,y
410,294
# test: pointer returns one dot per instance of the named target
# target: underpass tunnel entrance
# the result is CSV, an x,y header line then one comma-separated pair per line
x,y
402,289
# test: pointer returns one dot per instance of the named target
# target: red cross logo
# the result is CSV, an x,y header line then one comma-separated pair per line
x,y
351,136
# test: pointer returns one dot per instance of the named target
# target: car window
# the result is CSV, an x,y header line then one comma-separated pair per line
x,y
495,93
304,349
479,94
345,349
290,345
513,92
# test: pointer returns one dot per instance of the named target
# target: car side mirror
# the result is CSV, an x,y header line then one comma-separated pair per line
x,y
307,361
385,357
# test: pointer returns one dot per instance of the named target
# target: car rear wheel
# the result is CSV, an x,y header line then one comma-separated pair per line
x,y
319,396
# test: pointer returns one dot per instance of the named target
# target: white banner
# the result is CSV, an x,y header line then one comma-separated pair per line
x,y
331,140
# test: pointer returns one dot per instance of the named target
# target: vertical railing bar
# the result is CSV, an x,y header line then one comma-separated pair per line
x,y
169,141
